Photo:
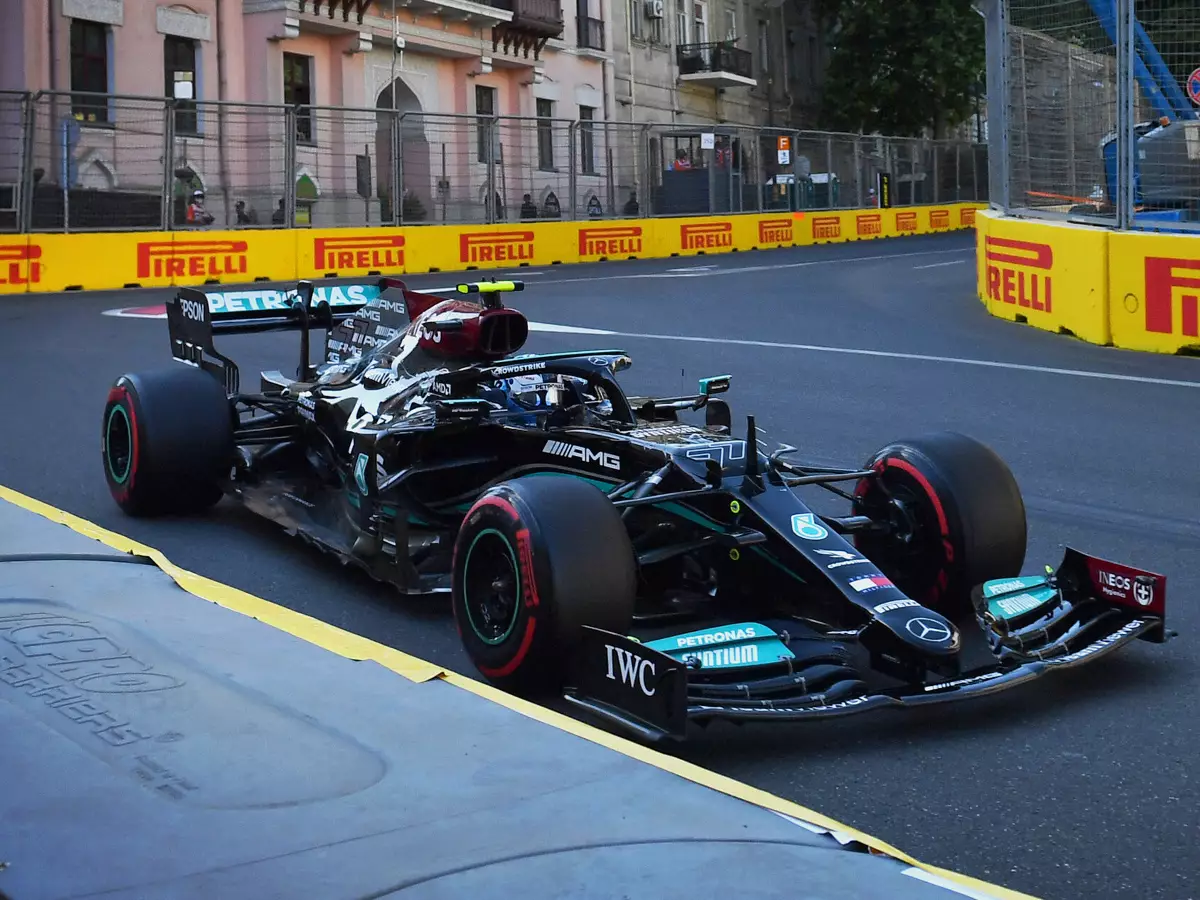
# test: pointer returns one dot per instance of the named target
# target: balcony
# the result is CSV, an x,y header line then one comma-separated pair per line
x,y
590,32
533,23
718,64
348,11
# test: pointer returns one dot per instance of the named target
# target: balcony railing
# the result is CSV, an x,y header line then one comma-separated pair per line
x,y
591,32
539,16
715,57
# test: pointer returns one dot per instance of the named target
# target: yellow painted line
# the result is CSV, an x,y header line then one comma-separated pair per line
x,y
354,647
297,624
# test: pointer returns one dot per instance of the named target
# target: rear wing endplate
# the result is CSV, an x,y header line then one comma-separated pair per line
x,y
195,316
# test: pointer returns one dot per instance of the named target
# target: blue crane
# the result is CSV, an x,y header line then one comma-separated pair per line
x,y
1155,79
1166,179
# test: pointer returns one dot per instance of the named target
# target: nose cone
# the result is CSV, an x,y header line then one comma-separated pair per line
x,y
922,629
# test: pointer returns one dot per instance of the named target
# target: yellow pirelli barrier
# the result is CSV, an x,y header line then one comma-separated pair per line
x,y
57,262
1154,291
20,265
1050,276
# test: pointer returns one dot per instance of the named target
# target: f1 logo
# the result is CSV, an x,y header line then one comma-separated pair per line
x,y
630,668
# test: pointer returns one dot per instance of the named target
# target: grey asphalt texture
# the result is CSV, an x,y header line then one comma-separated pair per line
x,y
1081,786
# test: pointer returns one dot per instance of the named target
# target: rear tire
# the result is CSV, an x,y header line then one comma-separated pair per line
x,y
166,441
535,560
963,512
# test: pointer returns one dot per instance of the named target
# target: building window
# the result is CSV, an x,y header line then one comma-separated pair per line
x,y
635,18
587,140
681,21
700,14
545,135
589,25
485,109
731,24
297,92
179,65
89,70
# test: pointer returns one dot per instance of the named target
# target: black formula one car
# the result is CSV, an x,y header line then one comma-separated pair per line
x,y
653,571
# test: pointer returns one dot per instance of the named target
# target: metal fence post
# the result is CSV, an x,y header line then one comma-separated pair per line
x,y
396,173
168,172
289,166
493,129
996,28
937,192
1126,144
958,173
25,212
829,173
572,159
646,173
858,172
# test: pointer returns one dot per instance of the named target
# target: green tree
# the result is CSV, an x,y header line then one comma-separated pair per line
x,y
900,66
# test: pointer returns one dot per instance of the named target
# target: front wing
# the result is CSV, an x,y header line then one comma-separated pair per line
x,y
651,695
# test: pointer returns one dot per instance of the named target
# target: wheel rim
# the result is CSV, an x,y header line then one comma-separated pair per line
x,y
906,554
118,444
491,587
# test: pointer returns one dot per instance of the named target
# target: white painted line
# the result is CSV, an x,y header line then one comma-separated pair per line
x,y
740,270
132,312
884,354
772,267
953,262
566,329
938,881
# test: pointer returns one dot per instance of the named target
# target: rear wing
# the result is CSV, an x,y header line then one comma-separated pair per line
x,y
194,316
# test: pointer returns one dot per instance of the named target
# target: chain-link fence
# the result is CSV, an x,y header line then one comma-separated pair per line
x,y
13,110
76,162
742,169
1089,101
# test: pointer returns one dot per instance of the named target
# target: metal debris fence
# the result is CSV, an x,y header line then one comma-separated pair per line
x,y
1089,113
92,162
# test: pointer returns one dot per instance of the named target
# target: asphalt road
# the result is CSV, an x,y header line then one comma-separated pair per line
x,y
1080,787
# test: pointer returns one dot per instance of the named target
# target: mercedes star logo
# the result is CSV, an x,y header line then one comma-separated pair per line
x,y
930,630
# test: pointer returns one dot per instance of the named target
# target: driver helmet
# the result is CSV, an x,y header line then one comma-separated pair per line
x,y
536,391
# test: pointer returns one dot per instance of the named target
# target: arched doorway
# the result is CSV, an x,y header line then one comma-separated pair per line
x,y
412,176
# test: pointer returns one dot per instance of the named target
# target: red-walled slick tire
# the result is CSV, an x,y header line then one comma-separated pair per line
x,y
535,560
166,441
956,515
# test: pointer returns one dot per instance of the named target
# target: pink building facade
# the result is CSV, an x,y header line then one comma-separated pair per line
x,y
404,92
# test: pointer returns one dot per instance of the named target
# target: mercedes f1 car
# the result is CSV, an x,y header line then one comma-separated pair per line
x,y
654,571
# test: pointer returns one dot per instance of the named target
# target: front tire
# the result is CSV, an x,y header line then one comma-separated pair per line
x,y
535,560
956,515
166,441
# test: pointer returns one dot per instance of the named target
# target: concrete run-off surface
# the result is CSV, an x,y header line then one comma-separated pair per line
x,y
173,747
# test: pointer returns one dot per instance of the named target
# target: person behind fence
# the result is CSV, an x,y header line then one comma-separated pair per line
x,y
196,213
631,205
243,217
280,215
529,209
681,160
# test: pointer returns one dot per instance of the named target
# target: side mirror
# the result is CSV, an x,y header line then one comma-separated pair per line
x,y
716,384
304,294
717,416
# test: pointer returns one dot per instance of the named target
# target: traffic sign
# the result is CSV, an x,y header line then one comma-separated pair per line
x,y
785,143
1193,87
